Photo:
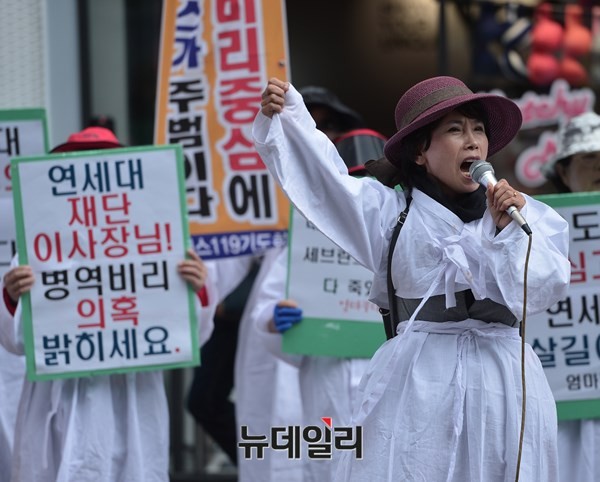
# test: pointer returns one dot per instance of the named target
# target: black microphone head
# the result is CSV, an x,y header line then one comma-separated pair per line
x,y
478,169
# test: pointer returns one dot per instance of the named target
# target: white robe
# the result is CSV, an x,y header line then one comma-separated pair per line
x,y
267,393
579,450
442,401
106,428
328,385
12,372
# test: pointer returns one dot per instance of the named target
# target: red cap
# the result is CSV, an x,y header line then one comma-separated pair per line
x,y
88,139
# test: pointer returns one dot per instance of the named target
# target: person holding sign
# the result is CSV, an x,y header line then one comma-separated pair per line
x,y
328,384
441,401
99,428
576,168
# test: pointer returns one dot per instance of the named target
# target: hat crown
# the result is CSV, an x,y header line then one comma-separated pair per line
x,y
317,95
432,99
89,138
581,127
92,134
580,134
426,94
314,94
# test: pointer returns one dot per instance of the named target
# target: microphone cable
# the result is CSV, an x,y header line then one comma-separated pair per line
x,y
523,386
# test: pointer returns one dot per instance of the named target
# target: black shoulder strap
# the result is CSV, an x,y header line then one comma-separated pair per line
x,y
390,318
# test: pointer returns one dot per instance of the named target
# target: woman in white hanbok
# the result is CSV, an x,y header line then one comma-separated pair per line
x,y
442,400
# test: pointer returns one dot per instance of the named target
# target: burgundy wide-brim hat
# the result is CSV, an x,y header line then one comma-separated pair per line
x,y
433,98
88,139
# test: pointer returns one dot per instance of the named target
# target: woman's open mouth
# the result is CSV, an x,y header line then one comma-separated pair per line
x,y
465,166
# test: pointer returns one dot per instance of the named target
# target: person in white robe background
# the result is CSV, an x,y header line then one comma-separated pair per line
x,y
441,400
328,385
266,392
105,428
12,372
576,168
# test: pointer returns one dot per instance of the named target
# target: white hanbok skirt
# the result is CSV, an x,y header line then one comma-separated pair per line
x,y
105,428
442,402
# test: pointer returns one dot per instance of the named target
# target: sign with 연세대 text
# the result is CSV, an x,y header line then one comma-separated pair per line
x,y
103,232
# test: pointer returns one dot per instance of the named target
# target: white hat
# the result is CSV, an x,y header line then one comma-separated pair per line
x,y
578,136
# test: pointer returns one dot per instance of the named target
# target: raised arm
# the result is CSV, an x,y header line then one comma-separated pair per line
x,y
356,214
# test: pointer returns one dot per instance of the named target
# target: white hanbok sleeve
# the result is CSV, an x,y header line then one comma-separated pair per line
x,y
11,330
356,214
504,256
272,291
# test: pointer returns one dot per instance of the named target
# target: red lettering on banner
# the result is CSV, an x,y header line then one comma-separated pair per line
x,y
229,11
249,84
248,161
241,111
7,174
43,248
237,137
596,253
231,54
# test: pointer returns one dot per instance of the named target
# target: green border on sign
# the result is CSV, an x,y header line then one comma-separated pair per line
x,y
576,409
23,259
338,338
7,115
570,199
330,337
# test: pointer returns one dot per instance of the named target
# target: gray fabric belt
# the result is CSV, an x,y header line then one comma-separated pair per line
x,y
466,307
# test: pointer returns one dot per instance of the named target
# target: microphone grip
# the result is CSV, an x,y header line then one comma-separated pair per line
x,y
514,213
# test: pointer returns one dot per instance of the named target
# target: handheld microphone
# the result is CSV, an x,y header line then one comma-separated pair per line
x,y
482,172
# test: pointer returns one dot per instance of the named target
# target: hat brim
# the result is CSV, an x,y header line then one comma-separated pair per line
x,y
549,169
349,117
503,116
358,171
85,146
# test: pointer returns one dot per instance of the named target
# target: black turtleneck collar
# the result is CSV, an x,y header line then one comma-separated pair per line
x,y
468,207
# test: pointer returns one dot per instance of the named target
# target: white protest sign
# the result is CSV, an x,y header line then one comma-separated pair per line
x,y
104,232
333,290
23,132
566,337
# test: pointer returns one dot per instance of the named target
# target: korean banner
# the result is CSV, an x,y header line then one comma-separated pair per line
x,y
333,290
215,60
104,232
566,337
23,132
